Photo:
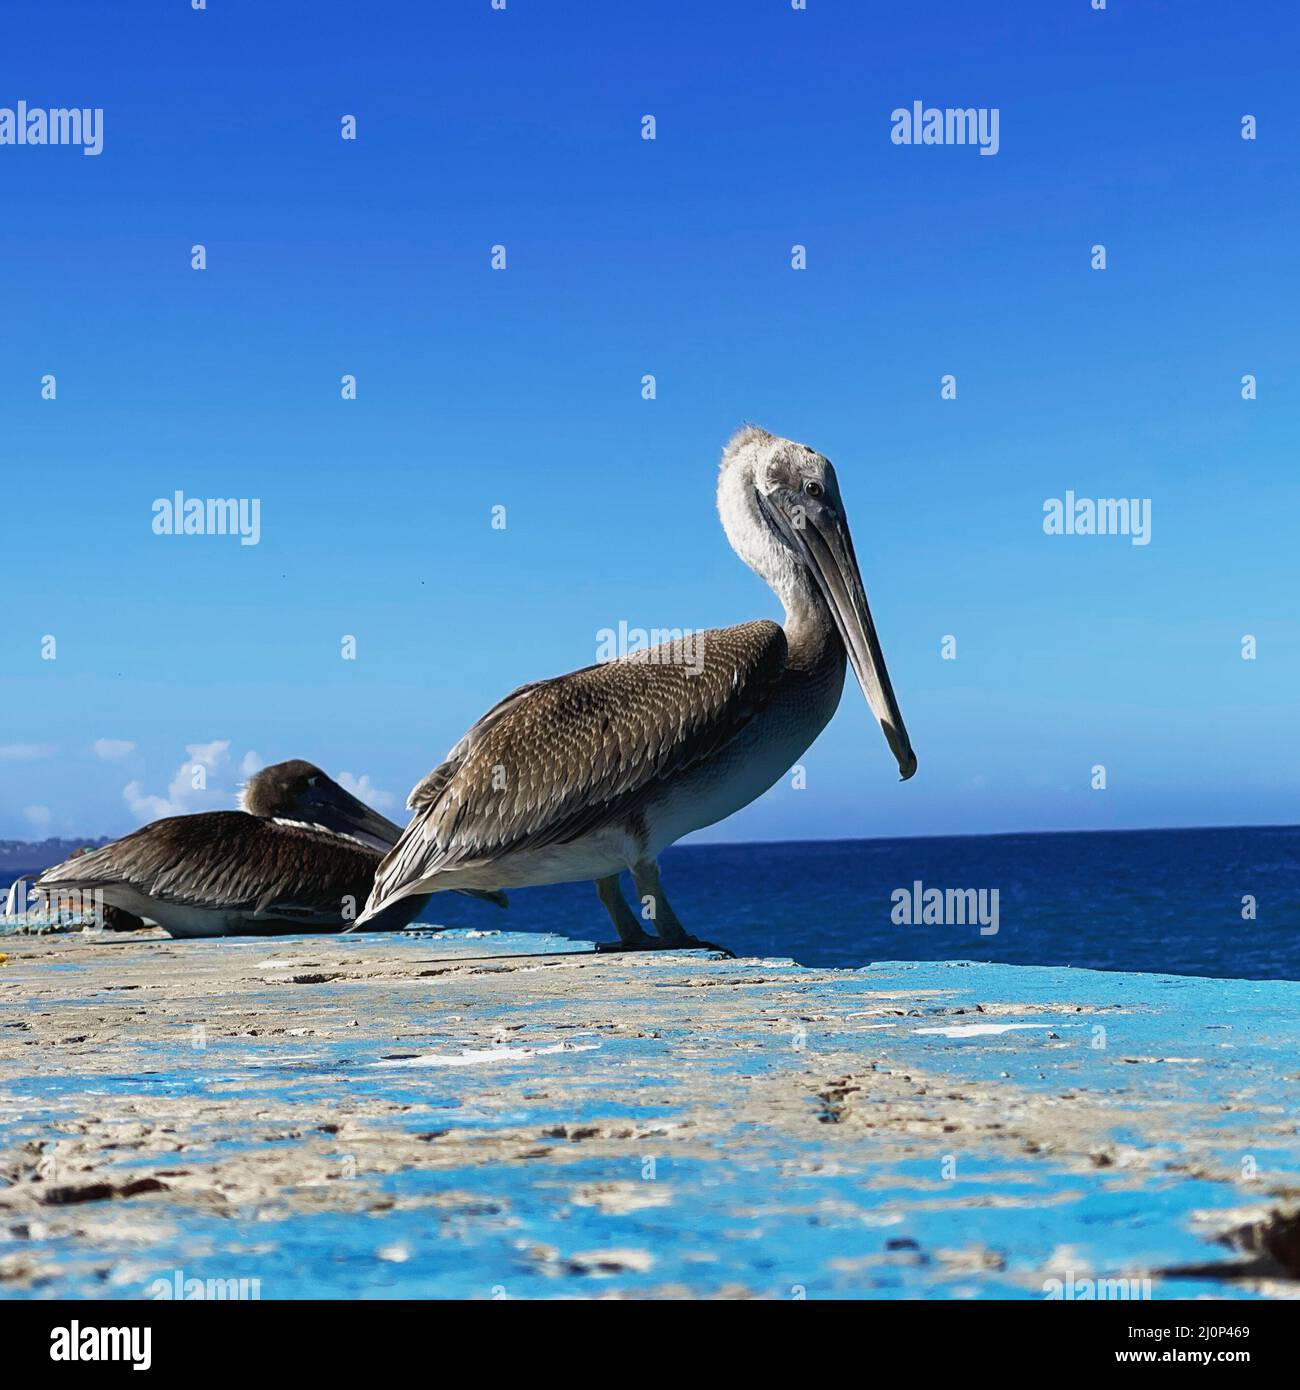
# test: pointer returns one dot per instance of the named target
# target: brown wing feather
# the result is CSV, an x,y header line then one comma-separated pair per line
x,y
559,758
231,860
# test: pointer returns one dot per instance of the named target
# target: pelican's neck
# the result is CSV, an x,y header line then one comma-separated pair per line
x,y
810,631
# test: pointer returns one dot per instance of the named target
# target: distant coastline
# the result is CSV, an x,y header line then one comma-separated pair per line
x,y
40,854
22,856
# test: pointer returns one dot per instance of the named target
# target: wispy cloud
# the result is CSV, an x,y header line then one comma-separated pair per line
x,y
24,752
38,816
195,786
110,749
209,779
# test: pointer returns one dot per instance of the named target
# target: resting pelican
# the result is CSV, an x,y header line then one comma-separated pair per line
x,y
111,918
590,773
300,856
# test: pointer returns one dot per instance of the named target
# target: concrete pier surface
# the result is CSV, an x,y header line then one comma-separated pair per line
x,y
493,1115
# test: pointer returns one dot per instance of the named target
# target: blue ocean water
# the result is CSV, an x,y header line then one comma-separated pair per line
x,y
1147,900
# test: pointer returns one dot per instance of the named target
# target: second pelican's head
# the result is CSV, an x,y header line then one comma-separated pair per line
x,y
300,791
781,509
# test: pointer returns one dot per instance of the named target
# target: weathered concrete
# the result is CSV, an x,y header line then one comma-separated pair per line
x,y
516,1116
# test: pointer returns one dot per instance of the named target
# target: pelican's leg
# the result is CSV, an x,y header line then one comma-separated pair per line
x,y
672,935
630,935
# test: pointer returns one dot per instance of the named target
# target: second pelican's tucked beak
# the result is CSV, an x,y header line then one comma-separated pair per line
x,y
821,537
345,814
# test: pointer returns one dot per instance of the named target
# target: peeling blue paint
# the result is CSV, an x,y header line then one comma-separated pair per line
x,y
776,1206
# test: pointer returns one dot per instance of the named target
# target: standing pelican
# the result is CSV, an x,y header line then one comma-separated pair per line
x,y
300,856
587,774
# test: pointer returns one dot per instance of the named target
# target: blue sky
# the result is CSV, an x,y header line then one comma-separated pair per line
x,y
480,388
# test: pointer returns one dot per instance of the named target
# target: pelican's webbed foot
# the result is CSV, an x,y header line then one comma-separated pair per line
x,y
643,942
692,943
631,935
646,942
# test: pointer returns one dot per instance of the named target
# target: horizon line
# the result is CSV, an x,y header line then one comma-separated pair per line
x,y
839,840
991,834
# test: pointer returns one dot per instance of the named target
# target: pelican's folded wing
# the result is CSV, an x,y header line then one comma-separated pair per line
x,y
560,758
230,860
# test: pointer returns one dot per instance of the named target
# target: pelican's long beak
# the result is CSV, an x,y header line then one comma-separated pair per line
x,y
822,537
340,811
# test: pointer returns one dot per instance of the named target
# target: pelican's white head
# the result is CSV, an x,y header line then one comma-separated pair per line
x,y
781,509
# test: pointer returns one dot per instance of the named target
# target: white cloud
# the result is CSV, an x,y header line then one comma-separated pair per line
x,y
213,765
363,788
112,748
146,808
39,816
194,787
25,752
209,754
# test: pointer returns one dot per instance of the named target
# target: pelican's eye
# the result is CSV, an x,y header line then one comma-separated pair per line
x,y
812,488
